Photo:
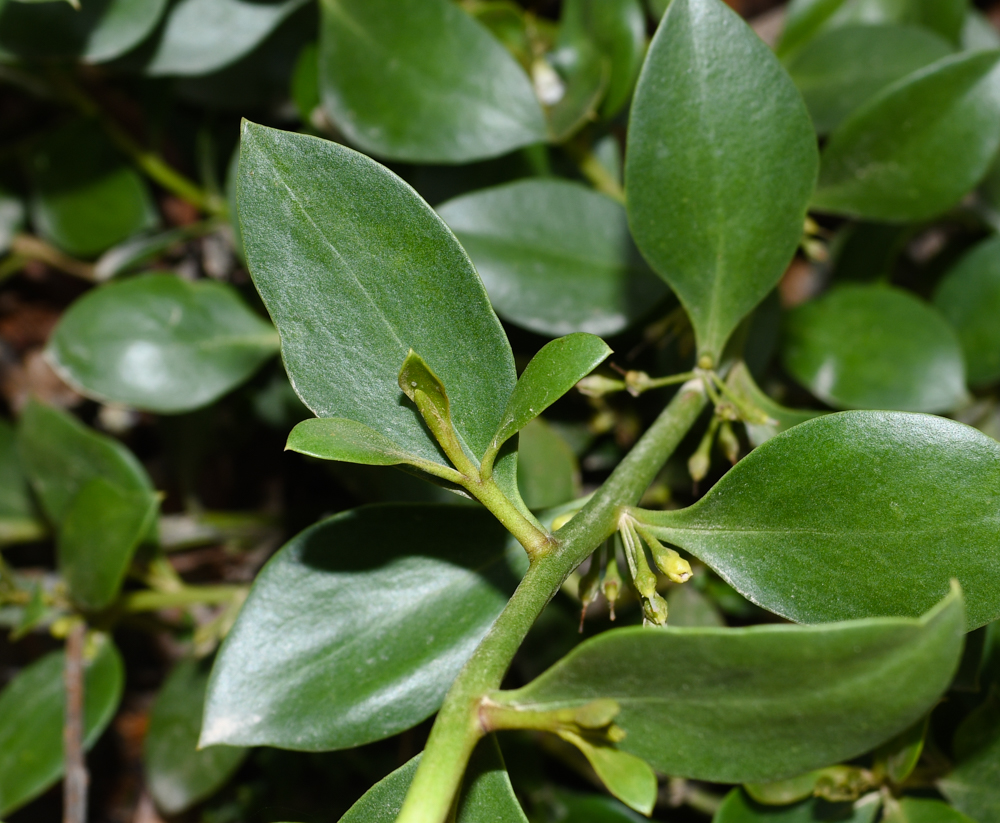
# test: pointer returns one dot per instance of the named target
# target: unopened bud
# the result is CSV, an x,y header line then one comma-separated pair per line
x,y
672,564
729,442
598,386
654,609
636,382
597,714
698,466
612,585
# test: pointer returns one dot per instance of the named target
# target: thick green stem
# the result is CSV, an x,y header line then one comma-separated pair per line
x,y
458,726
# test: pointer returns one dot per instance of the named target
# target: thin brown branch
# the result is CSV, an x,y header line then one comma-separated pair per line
x,y
76,779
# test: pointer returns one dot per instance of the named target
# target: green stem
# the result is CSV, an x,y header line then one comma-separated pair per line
x,y
458,726
149,601
595,171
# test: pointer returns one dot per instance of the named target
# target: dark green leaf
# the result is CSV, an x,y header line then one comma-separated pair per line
x,y
875,347
854,514
202,36
356,270
918,810
969,297
738,808
31,720
574,80
487,796
98,31
18,518
919,146
973,786
717,128
177,774
742,385
305,82
86,198
420,80
160,343
334,438
547,471
592,808
847,65
900,755
377,610
688,607
757,704
555,256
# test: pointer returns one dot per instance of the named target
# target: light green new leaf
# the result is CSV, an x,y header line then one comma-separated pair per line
x,y
875,347
179,775
627,777
738,808
918,147
203,36
763,703
356,270
856,514
487,796
32,707
18,517
555,256
160,343
847,65
97,31
422,81
85,197
919,810
717,128
973,786
377,609
969,298
547,470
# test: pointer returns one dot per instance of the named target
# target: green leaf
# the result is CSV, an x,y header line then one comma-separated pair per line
x,y
969,298
487,796
899,757
547,471
556,257
160,343
784,792
973,786
101,531
716,129
421,81
18,517
846,66
60,456
179,775
738,808
86,198
334,438
687,607
918,810
978,33
305,82
855,514
575,80
762,703
592,808
875,347
378,608
31,720
380,274
741,383
627,777
202,36
100,30
919,146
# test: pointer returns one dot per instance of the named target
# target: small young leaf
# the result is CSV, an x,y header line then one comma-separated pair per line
x,y
487,796
919,810
918,147
875,347
32,707
972,786
738,808
178,774
716,129
900,755
784,792
627,777
160,343
378,608
421,81
856,514
555,257
762,703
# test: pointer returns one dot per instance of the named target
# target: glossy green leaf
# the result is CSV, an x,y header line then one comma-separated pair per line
x,y
717,128
555,256
916,148
547,471
11,219
202,36
31,720
179,775
102,529
378,274
377,609
899,757
762,703
973,785
18,518
160,343
86,198
420,80
592,808
855,514
334,438
738,808
627,777
919,810
487,796
846,66
969,298
100,30
781,418
875,347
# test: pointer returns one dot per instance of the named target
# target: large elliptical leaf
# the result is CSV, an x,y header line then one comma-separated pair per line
x,y
421,81
919,146
356,270
377,610
856,514
720,165
763,703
